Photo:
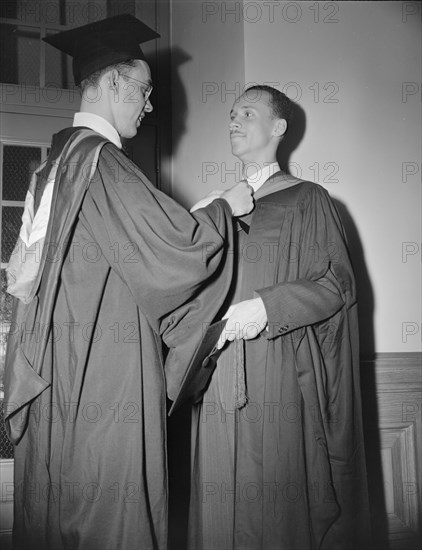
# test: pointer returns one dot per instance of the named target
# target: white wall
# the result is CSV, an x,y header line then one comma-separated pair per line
x,y
200,131
371,53
354,69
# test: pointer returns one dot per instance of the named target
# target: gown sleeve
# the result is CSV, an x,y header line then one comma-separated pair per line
x,y
162,252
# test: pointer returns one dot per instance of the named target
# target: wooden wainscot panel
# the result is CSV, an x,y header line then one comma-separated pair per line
x,y
392,404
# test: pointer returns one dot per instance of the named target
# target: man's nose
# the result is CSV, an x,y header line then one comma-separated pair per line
x,y
234,124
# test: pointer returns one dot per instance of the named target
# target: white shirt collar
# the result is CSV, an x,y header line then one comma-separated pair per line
x,y
258,179
99,125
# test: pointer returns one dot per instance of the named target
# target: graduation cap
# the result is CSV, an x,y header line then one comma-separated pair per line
x,y
103,43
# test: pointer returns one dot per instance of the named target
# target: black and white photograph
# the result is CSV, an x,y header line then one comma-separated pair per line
x,y
211,260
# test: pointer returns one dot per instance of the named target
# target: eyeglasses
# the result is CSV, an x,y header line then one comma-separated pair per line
x,y
146,93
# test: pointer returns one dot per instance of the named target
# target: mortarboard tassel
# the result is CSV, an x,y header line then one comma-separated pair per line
x,y
239,390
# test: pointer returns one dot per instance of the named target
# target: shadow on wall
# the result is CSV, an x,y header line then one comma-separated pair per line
x,y
363,283
174,121
293,137
177,120
161,130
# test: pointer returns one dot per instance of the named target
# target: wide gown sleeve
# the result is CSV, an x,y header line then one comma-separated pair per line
x,y
161,251
325,283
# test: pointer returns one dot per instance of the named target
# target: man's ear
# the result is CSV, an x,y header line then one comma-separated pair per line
x,y
113,80
280,127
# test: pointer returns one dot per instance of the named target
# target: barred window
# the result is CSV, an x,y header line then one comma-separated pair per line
x,y
24,58
18,161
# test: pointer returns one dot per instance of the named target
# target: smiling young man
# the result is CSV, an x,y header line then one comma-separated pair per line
x,y
278,456
85,399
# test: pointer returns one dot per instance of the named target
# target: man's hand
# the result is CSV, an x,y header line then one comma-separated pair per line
x,y
245,320
240,198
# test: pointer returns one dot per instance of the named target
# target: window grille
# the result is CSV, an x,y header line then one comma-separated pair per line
x,y
24,58
18,161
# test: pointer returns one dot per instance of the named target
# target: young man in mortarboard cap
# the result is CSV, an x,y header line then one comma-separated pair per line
x,y
85,394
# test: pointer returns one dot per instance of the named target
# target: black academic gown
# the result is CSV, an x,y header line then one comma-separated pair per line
x,y
84,384
287,471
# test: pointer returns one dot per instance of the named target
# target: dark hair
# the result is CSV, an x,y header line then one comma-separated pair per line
x,y
280,104
94,78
